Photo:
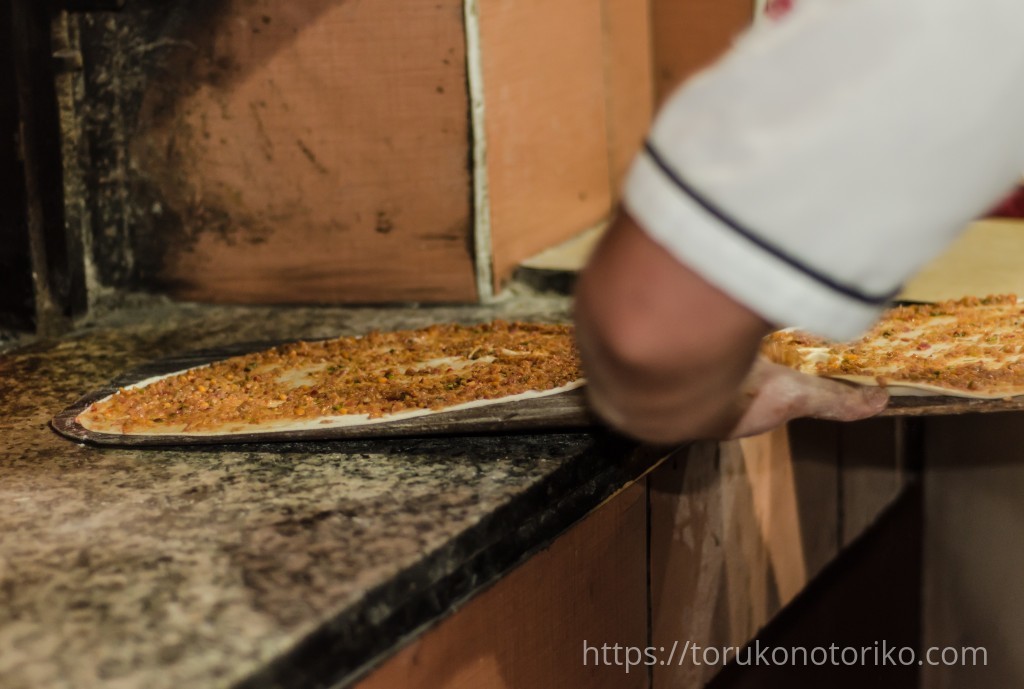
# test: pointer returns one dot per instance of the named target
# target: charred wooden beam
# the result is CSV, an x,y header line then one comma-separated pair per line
x,y
55,256
94,5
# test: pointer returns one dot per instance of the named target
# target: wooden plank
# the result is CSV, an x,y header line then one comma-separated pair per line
x,y
54,255
546,124
529,629
974,548
630,81
690,34
310,152
737,530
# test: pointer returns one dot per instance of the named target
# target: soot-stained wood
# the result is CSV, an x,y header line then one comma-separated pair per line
x,y
269,151
123,55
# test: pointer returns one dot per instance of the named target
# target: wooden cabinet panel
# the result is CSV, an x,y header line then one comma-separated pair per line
x,y
528,629
871,458
868,594
304,152
737,530
974,548
734,531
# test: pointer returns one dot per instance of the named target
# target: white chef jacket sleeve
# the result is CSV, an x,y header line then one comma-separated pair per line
x,y
831,154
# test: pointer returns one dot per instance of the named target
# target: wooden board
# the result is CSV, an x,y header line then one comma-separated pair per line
x,y
556,412
690,34
546,124
307,153
630,82
529,629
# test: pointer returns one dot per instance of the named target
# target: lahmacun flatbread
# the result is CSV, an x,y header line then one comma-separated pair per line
x,y
348,381
971,347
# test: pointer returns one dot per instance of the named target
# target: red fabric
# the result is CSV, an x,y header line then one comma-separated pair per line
x,y
776,9
1011,207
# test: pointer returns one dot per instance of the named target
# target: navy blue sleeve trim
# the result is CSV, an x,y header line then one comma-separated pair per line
x,y
809,271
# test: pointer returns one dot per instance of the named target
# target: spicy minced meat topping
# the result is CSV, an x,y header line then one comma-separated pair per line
x,y
375,375
972,344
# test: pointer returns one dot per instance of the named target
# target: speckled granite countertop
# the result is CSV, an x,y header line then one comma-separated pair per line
x,y
255,566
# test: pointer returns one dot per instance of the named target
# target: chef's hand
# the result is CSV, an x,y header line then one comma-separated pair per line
x,y
669,357
778,394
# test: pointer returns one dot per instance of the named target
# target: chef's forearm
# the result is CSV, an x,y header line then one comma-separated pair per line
x,y
666,354
661,402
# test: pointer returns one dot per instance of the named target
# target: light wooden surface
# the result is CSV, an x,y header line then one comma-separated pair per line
x,y
527,631
569,256
986,259
313,152
546,124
